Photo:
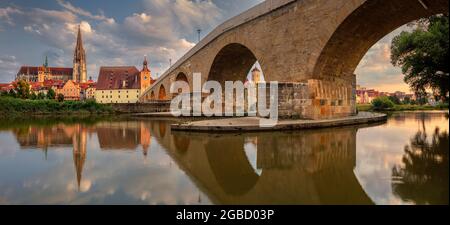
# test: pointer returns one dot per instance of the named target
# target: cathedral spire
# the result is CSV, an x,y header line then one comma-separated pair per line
x,y
145,65
46,62
79,60
79,46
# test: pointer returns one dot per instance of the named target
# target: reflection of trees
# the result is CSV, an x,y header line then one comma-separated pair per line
x,y
423,177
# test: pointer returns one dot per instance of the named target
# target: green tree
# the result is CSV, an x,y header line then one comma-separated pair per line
x,y
12,93
51,94
423,55
60,98
395,99
41,95
33,96
382,103
407,100
22,89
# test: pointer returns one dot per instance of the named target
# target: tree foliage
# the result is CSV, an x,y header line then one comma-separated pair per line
x,y
60,97
423,55
382,103
422,177
51,94
22,89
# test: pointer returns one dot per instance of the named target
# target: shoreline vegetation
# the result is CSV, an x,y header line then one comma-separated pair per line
x,y
394,104
16,107
399,108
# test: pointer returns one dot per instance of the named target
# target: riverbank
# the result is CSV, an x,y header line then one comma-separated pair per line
x,y
397,108
14,107
246,124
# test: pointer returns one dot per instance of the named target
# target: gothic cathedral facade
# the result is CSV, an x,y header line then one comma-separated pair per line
x,y
79,61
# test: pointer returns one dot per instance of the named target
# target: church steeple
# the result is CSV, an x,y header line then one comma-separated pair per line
x,y
145,75
79,60
46,62
79,46
145,65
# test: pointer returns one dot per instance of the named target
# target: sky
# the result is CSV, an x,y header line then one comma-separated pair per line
x,y
118,32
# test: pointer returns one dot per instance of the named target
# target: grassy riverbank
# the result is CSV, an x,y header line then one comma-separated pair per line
x,y
404,107
20,107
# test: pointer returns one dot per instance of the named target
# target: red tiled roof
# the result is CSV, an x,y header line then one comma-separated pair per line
x,y
50,83
112,78
53,70
85,86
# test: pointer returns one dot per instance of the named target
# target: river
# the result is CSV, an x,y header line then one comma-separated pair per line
x,y
140,161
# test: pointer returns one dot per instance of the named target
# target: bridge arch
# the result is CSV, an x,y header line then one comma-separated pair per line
x,y
181,76
162,93
232,63
181,143
230,165
366,25
152,96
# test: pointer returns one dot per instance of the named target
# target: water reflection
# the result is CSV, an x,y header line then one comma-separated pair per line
x,y
310,167
422,178
130,161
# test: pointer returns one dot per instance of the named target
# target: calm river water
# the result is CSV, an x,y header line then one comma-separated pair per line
x,y
136,161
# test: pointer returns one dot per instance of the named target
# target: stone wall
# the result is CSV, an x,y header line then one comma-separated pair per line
x,y
296,41
315,99
156,106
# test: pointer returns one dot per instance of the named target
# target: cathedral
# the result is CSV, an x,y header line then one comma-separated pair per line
x,y
42,73
79,61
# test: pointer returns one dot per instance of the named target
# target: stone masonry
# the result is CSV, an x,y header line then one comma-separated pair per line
x,y
309,43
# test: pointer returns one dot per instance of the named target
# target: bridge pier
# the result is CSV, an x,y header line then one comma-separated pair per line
x,y
316,99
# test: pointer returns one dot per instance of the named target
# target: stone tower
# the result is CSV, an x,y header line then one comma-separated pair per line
x,y
79,61
256,75
145,76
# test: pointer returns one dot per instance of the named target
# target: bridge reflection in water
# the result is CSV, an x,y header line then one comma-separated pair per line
x,y
307,167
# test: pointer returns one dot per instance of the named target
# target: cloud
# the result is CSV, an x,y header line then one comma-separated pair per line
x,y
6,15
8,67
79,11
375,69
161,29
38,16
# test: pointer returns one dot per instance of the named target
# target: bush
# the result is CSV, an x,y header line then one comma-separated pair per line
x,y
51,94
15,106
382,103
60,97
395,100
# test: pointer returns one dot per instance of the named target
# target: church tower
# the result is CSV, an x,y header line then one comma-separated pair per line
x,y
145,76
79,61
256,75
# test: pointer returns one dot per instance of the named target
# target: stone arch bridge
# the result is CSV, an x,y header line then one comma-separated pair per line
x,y
306,168
311,47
